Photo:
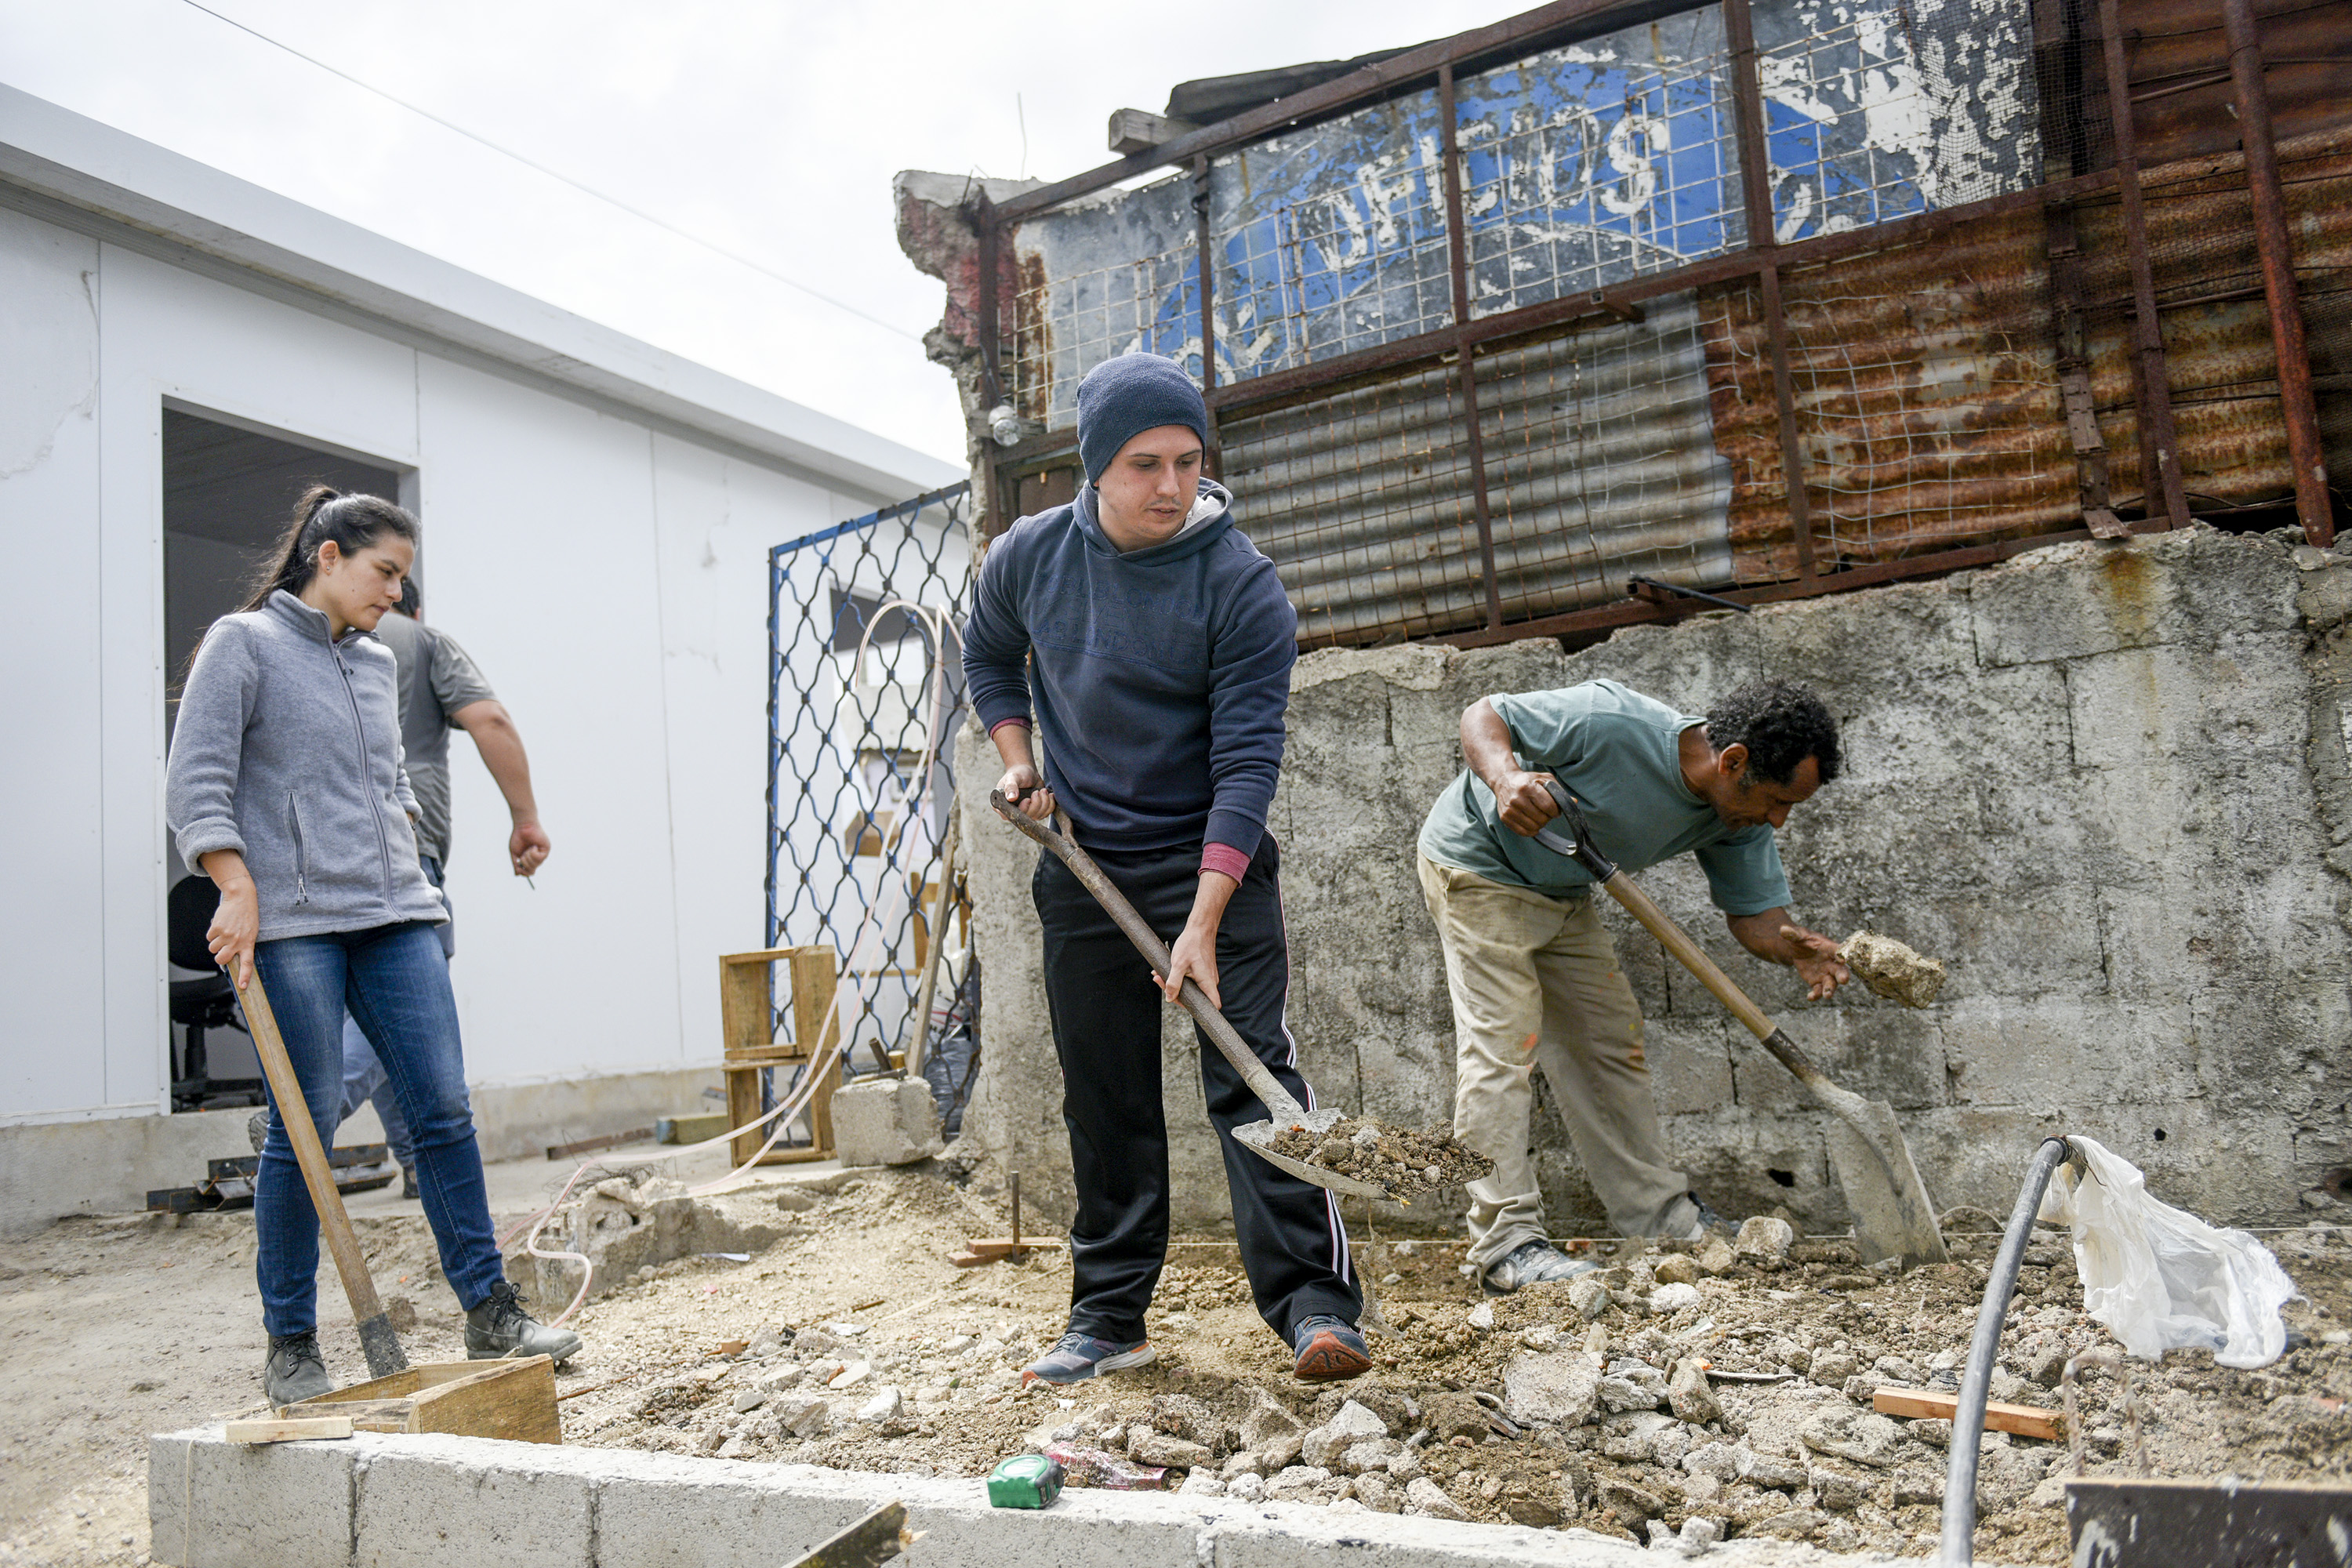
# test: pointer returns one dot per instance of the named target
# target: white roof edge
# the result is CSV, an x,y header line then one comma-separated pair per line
x,y
54,153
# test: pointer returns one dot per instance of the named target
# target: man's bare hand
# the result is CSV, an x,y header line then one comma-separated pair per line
x,y
1816,962
528,848
1524,803
1193,956
1023,788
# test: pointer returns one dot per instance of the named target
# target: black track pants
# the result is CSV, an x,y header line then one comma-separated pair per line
x,y
1106,1011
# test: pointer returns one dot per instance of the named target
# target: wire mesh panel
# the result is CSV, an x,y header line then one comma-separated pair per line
x,y
1602,464
1607,159
1887,107
1362,501
865,681
1097,280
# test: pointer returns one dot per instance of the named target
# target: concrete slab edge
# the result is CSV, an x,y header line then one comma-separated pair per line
x,y
380,1501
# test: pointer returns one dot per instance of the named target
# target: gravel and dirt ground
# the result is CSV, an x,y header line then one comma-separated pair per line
x,y
850,1340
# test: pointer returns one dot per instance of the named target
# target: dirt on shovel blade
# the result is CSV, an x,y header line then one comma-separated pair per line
x,y
1406,1162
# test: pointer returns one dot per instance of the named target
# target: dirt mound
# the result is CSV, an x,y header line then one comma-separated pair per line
x,y
1408,1164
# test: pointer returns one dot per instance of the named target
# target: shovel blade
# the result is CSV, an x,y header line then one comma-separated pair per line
x,y
1258,1137
1893,1216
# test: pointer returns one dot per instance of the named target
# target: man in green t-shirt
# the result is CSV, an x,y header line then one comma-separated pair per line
x,y
1534,976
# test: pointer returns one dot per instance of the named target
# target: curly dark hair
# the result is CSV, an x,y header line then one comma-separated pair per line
x,y
1782,724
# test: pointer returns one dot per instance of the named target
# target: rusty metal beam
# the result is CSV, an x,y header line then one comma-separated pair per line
x,y
2159,446
2295,405
1457,251
1372,82
1756,192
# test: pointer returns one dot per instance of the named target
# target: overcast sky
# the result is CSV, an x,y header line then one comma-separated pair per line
x,y
772,129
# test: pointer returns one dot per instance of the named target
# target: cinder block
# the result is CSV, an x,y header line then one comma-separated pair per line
x,y
428,1501
1296,1535
212,1503
666,1510
886,1122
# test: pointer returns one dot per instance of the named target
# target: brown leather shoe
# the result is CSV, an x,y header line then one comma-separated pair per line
x,y
1329,1350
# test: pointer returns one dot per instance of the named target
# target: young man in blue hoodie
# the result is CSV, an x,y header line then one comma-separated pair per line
x,y
1156,645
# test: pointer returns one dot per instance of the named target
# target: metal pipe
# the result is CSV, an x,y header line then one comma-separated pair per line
x,y
2295,404
1958,1544
919,1047
1204,263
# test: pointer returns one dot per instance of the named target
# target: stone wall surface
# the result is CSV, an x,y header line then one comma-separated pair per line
x,y
2106,783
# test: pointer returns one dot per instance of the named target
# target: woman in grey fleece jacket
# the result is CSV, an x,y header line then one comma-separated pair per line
x,y
284,786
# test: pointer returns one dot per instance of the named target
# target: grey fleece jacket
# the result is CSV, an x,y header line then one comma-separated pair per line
x,y
288,751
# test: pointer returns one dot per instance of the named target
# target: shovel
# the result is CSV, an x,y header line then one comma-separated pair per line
x,y
1284,1112
378,1343
1892,1215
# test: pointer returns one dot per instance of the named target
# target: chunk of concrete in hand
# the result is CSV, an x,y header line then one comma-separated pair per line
x,y
1425,1495
1864,1437
1554,1388
1891,969
886,1122
1764,1238
1689,1396
1351,1425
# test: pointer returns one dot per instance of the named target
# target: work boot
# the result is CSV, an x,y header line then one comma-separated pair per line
x,y
256,1128
1330,1349
1535,1262
408,1181
500,1328
295,1369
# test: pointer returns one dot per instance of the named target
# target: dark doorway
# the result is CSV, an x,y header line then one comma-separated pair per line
x,y
227,493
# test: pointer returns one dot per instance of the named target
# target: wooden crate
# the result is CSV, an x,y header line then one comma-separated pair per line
x,y
509,1399
746,1010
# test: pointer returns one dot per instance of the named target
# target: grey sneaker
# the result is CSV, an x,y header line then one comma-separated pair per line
x,y
256,1128
1531,1263
295,1369
1076,1357
500,1328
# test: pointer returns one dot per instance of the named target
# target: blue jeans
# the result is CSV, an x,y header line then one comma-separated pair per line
x,y
364,1079
396,982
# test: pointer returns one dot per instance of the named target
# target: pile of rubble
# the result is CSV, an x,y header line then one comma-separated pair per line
x,y
1674,1393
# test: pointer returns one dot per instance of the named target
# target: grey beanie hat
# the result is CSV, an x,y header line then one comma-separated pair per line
x,y
1121,398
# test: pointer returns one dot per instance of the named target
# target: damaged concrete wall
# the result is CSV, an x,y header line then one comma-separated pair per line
x,y
2105,784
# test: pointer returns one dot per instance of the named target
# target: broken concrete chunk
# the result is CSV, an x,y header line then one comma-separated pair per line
x,y
1428,1498
1720,1460
1668,1299
885,1404
1380,1494
748,1399
1714,1257
886,1122
1831,1368
1864,1437
802,1415
1690,1396
1145,1447
1368,1455
1628,1501
1764,1238
1892,970
1770,1473
1589,1296
1296,1481
1837,1491
1266,1418
1554,1388
1678,1270
1482,1316
1182,1415
1249,1486
1352,1423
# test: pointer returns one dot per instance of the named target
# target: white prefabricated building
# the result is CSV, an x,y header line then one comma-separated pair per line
x,y
177,349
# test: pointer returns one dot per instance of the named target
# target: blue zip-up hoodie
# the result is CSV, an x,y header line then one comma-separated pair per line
x,y
1161,675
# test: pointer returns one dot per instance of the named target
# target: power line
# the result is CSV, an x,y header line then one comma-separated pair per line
x,y
532,164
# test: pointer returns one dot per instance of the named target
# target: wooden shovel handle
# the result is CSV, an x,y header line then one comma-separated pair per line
x,y
294,1114
1268,1088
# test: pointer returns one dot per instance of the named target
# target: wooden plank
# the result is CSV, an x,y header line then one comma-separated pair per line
x,y
873,1541
511,1399
815,1027
2025,1420
295,1429
998,1245
693,1129
762,1055
2143,1522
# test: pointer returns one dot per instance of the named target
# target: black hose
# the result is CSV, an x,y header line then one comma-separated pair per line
x,y
1957,1546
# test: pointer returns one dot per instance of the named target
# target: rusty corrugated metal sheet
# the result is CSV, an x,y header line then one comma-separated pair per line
x,y
1601,463
2179,60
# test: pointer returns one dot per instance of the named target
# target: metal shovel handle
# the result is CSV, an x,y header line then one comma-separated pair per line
x,y
1277,1100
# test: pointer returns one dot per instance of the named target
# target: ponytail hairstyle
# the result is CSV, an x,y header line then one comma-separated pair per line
x,y
353,522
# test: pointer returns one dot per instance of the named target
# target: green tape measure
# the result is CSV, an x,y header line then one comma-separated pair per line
x,y
1024,1481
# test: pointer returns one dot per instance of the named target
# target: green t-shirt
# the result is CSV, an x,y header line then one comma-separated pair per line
x,y
1617,752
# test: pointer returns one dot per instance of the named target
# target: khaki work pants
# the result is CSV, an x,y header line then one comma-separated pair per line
x,y
1520,964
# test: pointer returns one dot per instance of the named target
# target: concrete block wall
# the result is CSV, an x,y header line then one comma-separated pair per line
x,y
2106,782
376,1501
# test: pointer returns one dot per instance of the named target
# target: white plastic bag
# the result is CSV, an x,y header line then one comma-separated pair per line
x,y
2161,1280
